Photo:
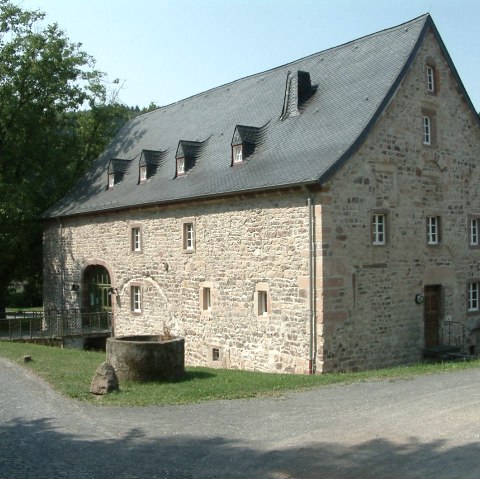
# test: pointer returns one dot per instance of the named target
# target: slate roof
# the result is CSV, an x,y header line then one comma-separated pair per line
x,y
348,88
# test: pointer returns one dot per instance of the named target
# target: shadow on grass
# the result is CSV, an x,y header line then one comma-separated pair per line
x,y
42,449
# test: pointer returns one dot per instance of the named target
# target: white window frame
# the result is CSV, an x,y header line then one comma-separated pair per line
x,y
111,180
188,236
430,79
379,229
433,230
473,296
136,298
180,166
473,231
427,130
237,152
136,239
143,173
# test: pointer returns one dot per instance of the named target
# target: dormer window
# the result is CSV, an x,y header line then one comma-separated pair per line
x,y
187,155
180,166
117,169
237,153
245,141
143,173
150,162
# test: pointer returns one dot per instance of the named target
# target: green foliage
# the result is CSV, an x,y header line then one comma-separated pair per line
x,y
70,372
56,115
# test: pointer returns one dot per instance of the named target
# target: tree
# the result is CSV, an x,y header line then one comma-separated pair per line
x,y
46,139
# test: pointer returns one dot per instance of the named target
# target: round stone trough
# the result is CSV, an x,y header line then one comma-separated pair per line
x,y
146,358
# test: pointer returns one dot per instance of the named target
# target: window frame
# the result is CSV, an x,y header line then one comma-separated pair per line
x,y
237,154
473,290
474,236
136,298
143,173
136,243
181,166
188,235
262,300
427,130
433,225
205,297
375,230
111,180
430,73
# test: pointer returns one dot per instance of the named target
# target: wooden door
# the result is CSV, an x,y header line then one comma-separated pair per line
x,y
432,312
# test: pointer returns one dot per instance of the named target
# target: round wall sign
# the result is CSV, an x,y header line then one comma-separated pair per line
x,y
419,298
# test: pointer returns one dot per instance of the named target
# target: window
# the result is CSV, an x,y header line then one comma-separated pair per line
x,y
143,173
262,303
180,166
433,230
136,299
473,296
111,180
237,153
430,79
474,223
379,229
427,130
215,354
136,239
207,299
188,236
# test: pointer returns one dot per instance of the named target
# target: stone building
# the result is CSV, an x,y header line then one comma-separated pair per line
x,y
320,216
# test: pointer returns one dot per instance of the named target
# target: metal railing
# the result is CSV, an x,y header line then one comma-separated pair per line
x,y
55,324
453,334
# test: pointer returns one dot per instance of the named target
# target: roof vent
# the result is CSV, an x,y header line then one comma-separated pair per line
x,y
298,91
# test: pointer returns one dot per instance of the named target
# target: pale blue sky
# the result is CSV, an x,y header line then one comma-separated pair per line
x,y
167,50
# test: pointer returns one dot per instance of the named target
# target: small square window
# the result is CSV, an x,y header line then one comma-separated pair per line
x,y
206,299
237,152
111,180
430,79
188,237
427,130
136,239
136,299
215,354
433,230
143,173
379,229
474,224
180,166
473,289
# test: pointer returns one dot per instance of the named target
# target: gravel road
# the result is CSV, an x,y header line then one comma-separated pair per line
x,y
427,427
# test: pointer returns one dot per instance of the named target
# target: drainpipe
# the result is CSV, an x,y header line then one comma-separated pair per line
x,y
62,264
312,282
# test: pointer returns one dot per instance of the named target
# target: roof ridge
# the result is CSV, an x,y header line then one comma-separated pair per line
x,y
283,66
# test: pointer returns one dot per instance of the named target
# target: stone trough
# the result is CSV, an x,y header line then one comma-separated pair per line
x,y
146,358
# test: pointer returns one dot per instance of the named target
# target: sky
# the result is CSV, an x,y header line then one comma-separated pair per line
x,y
163,51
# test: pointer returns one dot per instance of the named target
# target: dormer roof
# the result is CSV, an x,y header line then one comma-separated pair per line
x,y
318,109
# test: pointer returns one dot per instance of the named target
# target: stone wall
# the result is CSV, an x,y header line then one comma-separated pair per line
x,y
242,245
369,317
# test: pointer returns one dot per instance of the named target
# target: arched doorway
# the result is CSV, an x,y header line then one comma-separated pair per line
x,y
97,289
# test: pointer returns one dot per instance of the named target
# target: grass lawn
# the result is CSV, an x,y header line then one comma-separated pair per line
x,y
70,372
